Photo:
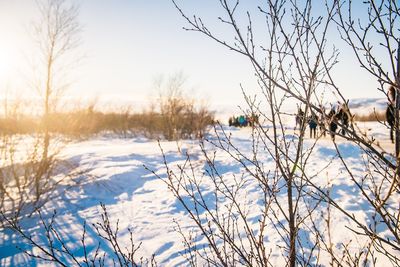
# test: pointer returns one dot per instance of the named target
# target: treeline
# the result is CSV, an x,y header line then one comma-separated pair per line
x,y
181,121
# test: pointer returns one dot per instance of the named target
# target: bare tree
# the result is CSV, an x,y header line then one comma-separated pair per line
x,y
56,33
375,42
297,61
27,169
182,116
57,251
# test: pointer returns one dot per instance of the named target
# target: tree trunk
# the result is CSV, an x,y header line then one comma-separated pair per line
x,y
397,115
292,228
44,164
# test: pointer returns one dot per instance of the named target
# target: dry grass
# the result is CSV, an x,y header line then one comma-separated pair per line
x,y
372,116
187,124
18,125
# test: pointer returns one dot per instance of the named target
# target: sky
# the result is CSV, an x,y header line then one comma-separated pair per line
x,y
128,44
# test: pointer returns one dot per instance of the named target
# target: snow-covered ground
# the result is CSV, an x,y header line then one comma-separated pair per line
x,y
142,202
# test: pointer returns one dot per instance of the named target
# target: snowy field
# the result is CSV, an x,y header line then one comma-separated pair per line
x,y
143,203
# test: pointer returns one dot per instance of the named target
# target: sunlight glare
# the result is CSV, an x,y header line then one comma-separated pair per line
x,y
6,61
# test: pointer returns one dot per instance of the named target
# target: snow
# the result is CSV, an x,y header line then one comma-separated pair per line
x,y
116,176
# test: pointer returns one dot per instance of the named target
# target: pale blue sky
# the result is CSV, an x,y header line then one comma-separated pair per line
x,y
128,43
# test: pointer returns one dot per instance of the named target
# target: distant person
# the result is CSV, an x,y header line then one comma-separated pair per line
x,y
253,119
390,110
242,120
236,122
333,120
230,121
343,115
299,118
313,123
392,95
